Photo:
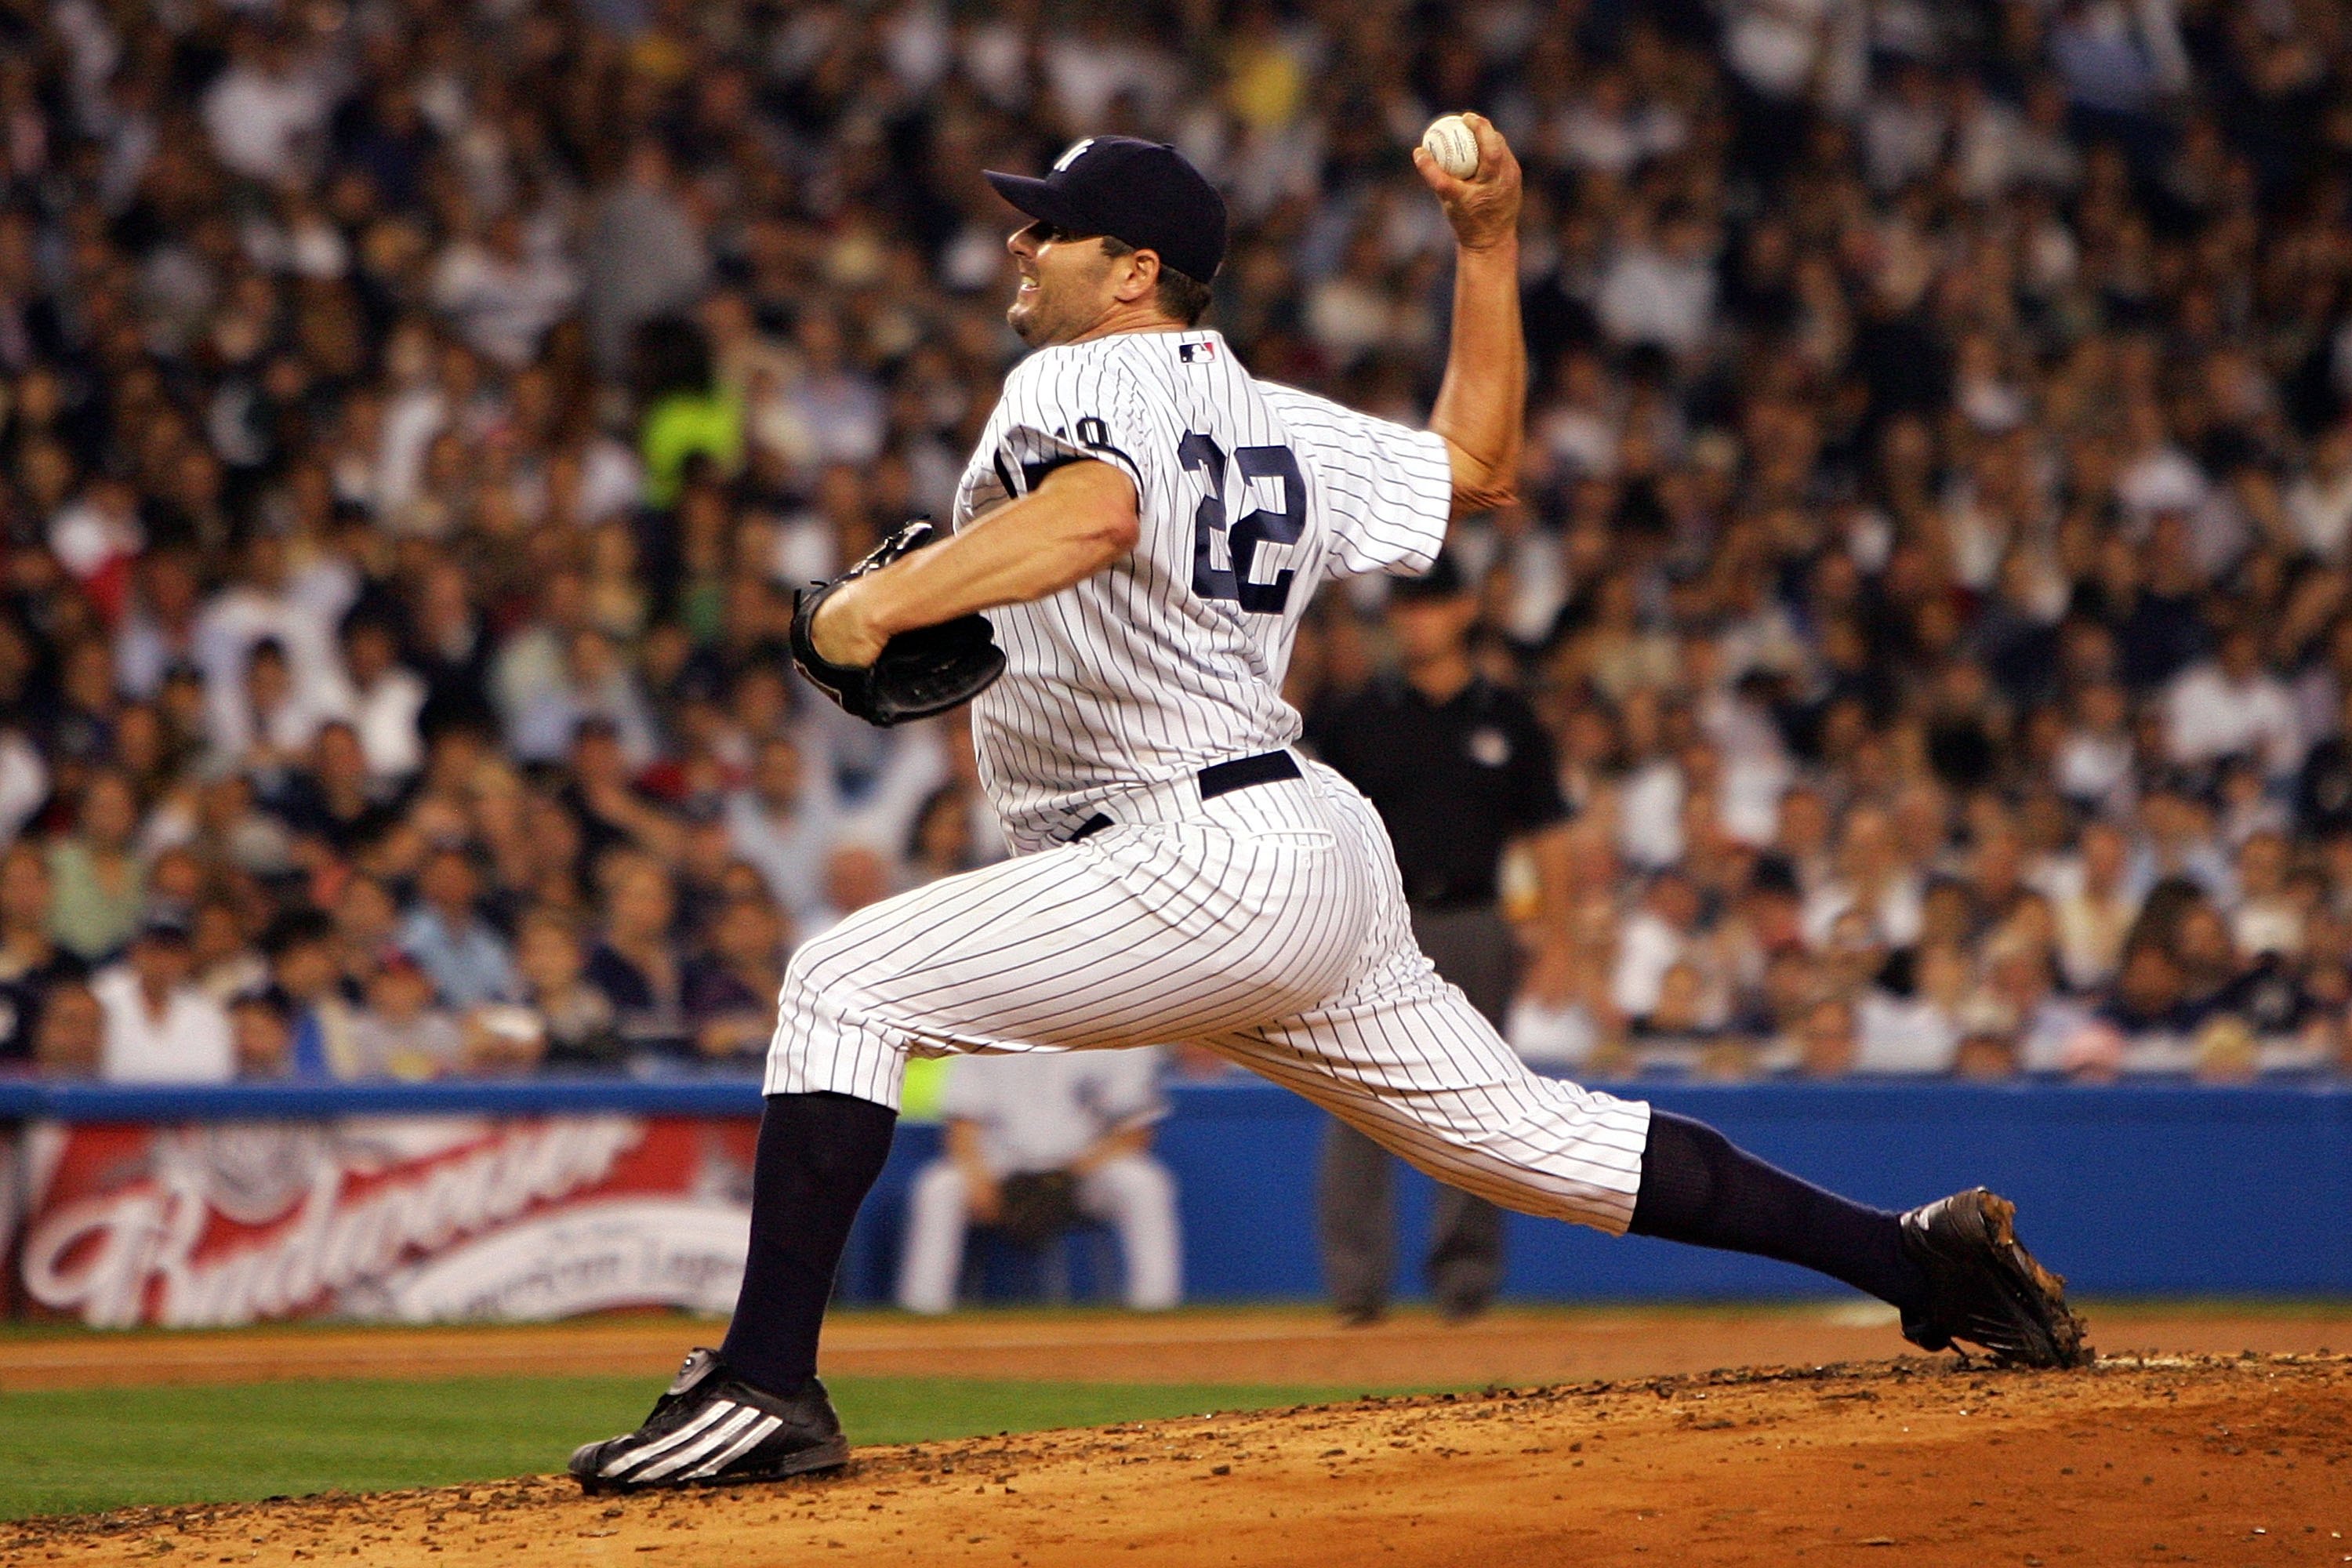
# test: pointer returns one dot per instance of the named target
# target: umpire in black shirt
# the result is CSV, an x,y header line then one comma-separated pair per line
x,y
1458,767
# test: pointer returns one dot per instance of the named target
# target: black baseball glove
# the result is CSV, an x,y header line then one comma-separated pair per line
x,y
918,673
1038,1206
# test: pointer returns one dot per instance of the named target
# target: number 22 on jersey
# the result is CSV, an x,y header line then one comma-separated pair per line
x,y
1237,543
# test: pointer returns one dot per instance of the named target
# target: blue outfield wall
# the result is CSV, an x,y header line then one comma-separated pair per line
x,y
2152,1189
2140,1190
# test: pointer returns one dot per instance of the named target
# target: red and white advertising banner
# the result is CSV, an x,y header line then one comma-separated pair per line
x,y
397,1218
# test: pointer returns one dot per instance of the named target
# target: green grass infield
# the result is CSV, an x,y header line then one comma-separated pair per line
x,y
85,1450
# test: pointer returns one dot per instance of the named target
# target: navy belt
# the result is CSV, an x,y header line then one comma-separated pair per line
x,y
1220,778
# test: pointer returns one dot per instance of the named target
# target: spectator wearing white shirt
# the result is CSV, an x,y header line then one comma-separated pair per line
x,y
2319,500
266,603
2093,767
1352,313
1585,424
502,292
1872,880
160,625
2177,841
386,698
2231,706
415,409
24,781
528,666
277,721
1658,937
2268,918
1662,289
1651,794
2120,55
1779,49
839,404
160,1026
2045,155
1903,129
298,237
1609,131
597,683
2156,475
2095,910
1089,1114
96,536
2020,1003
265,112
816,540
1909,1021
780,822
1090,63
645,251
877,779
1987,141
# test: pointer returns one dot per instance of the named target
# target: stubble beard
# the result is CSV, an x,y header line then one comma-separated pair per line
x,y
1041,320
1026,319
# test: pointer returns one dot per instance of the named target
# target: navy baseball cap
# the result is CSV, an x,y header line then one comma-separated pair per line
x,y
1143,192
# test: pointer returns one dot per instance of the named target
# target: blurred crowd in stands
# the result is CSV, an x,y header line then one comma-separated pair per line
x,y
1935,563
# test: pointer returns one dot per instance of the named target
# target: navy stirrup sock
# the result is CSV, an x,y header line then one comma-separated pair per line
x,y
818,1155
1698,1187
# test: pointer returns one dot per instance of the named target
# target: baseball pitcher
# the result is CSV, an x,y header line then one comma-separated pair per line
x,y
1133,544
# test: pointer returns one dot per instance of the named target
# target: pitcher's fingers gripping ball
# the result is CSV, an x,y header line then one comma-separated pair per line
x,y
1451,141
1472,170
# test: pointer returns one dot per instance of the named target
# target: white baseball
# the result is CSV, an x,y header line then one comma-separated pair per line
x,y
1451,142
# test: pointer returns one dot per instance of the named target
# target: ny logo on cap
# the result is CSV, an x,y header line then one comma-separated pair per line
x,y
1077,150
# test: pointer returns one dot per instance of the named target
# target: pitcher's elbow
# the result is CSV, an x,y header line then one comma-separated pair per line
x,y
1120,531
1469,500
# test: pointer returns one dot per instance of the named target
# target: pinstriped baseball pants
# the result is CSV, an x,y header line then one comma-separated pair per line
x,y
1269,925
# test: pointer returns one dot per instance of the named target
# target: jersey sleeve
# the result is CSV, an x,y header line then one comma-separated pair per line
x,y
1061,408
1390,487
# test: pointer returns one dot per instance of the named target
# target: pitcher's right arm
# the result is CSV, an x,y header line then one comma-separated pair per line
x,y
1481,406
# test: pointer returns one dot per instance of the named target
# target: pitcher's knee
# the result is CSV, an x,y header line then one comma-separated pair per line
x,y
806,972
830,1035
820,994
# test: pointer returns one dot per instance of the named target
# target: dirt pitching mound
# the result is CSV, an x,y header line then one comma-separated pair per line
x,y
1514,1344
2158,1460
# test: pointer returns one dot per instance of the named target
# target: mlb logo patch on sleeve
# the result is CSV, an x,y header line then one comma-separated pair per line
x,y
1201,353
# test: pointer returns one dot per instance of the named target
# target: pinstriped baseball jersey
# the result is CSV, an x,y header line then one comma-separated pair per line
x,y
1249,494
1267,923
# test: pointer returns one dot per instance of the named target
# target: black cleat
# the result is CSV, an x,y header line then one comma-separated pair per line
x,y
712,1427
1985,1288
